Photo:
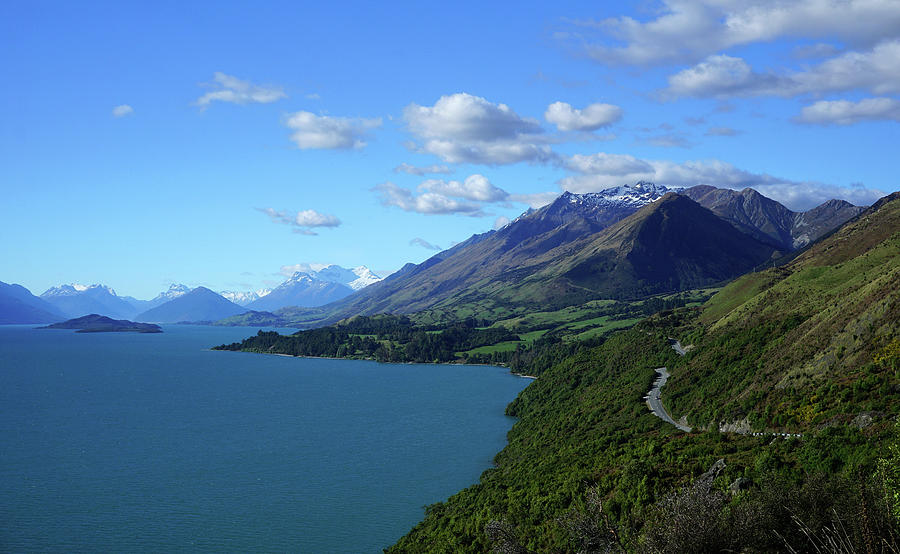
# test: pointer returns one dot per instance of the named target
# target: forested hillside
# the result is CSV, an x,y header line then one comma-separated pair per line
x,y
810,349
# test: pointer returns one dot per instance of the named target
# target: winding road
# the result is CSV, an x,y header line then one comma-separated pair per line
x,y
654,402
653,397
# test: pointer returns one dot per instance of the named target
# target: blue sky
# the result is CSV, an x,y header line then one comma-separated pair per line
x,y
218,144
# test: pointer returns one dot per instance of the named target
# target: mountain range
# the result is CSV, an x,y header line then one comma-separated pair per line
x,y
620,243
302,289
320,285
78,300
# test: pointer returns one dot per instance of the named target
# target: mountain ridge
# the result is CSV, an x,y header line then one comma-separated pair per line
x,y
200,304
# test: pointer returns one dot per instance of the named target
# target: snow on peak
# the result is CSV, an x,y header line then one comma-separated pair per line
x,y
629,196
175,290
242,298
77,288
300,276
356,278
365,277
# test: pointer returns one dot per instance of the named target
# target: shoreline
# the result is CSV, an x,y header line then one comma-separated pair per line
x,y
522,375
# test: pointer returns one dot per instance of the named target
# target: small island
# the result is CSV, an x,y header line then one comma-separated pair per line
x,y
95,323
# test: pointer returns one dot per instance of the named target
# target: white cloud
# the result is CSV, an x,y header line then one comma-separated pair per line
x,y
424,244
689,30
312,218
501,222
716,76
474,187
422,170
303,221
487,153
466,117
609,164
845,112
722,76
462,128
122,111
590,118
326,132
289,270
236,91
430,203
803,196
534,200
601,171
436,196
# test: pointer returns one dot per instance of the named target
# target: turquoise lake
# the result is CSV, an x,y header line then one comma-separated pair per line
x,y
124,442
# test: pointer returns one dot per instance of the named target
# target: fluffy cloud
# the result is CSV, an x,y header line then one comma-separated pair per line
x,y
475,187
844,112
122,111
303,221
462,128
535,200
590,118
436,196
430,203
422,170
501,222
600,171
690,30
424,244
234,90
466,117
326,132
721,76
602,163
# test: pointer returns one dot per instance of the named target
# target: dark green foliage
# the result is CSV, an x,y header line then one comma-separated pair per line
x,y
383,338
586,462
777,515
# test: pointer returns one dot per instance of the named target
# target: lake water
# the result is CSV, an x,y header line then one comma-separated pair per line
x,y
124,442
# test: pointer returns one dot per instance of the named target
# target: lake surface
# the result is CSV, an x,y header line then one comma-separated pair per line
x,y
125,442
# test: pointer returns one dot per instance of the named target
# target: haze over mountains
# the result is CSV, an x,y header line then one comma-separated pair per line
x,y
620,243
322,284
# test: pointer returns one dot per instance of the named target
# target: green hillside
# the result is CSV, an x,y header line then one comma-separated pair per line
x,y
804,344
812,348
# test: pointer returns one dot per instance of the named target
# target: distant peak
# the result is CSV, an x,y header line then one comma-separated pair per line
x,y
77,288
301,276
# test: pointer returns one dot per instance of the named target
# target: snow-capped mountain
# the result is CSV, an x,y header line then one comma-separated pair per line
x,y
76,300
625,196
364,278
355,278
175,290
75,289
302,289
242,298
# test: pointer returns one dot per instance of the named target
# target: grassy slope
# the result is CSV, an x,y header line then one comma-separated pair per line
x,y
795,346
805,347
